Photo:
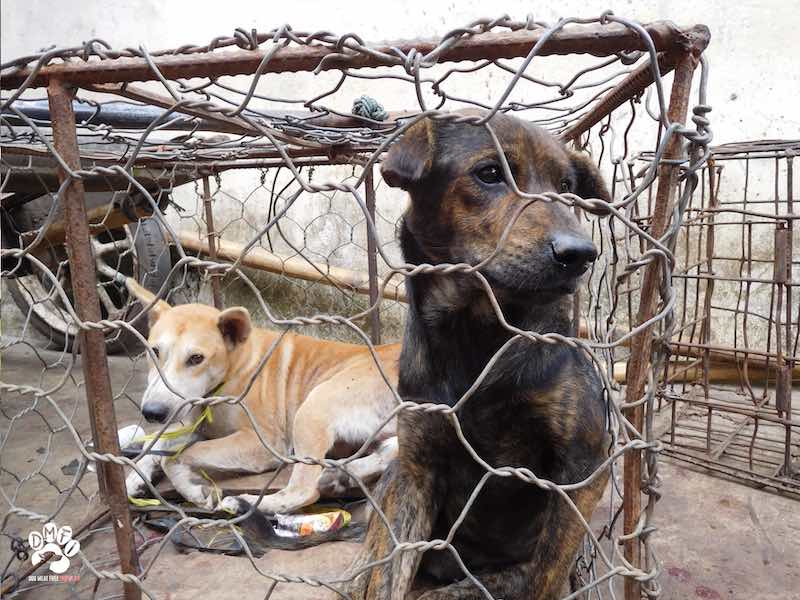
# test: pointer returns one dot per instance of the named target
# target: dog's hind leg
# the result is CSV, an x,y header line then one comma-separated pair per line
x,y
336,482
313,435
347,408
408,500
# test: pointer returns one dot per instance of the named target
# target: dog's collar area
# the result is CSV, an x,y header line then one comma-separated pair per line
x,y
206,415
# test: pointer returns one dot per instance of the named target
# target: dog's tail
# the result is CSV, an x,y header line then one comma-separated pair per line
x,y
260,527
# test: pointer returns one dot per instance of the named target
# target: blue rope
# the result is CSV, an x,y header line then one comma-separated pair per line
x,y
369,108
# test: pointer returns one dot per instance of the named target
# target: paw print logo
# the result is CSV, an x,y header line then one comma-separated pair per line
x,y
53,543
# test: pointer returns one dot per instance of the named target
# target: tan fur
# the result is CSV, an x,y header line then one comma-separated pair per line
x,y
308,396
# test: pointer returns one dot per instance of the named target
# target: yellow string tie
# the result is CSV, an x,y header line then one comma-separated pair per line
x,y
216,490
144,501
173,434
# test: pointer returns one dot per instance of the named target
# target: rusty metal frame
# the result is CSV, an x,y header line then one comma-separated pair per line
x,y
764,375
679,51
596,39
641,343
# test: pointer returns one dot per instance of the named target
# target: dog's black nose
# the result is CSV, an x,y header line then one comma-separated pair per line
x,y
573,253
154,413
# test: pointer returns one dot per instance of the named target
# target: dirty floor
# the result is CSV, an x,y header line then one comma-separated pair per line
x,y
716,539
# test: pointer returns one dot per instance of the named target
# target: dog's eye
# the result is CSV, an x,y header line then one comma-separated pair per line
x,y
565,186
490,174
194,359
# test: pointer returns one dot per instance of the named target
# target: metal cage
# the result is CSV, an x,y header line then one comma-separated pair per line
x,y
734,351
247,167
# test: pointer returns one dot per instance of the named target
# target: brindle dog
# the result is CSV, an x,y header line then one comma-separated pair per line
x,y
540,406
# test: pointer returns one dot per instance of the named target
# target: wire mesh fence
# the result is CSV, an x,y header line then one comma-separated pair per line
x,y
734,349
243,173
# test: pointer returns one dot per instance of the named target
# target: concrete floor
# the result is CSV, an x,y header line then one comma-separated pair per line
x,y
716,539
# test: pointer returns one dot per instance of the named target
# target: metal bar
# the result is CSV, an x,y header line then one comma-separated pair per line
x,y
111,477
705,333
596,39
633,85
30,171
212,242
692,372
220,121
731,407
720,353
783,390
372,260
264,160
226,123
747,279
217,166
114,114
766,447
641,344
731,436
732,471
145,158
751,213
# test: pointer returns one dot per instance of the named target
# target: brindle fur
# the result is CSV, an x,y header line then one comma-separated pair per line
x,y
540,407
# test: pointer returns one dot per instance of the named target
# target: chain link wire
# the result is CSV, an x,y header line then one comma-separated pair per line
x,y
285,164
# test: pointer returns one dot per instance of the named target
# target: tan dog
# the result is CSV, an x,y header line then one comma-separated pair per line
x,y
309,396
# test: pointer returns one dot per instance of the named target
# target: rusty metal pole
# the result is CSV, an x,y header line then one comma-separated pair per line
x,y
789,368
705,331
372,260
99,396
641,344
783,279
212,242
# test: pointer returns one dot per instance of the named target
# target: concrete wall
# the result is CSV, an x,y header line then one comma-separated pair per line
x,y
753,90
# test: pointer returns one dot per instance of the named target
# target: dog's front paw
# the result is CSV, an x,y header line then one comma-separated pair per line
x,y
234,505
335,483
135,485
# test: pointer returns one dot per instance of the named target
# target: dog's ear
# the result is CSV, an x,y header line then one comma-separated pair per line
x,y
145,296
234,324
410,158
588,181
